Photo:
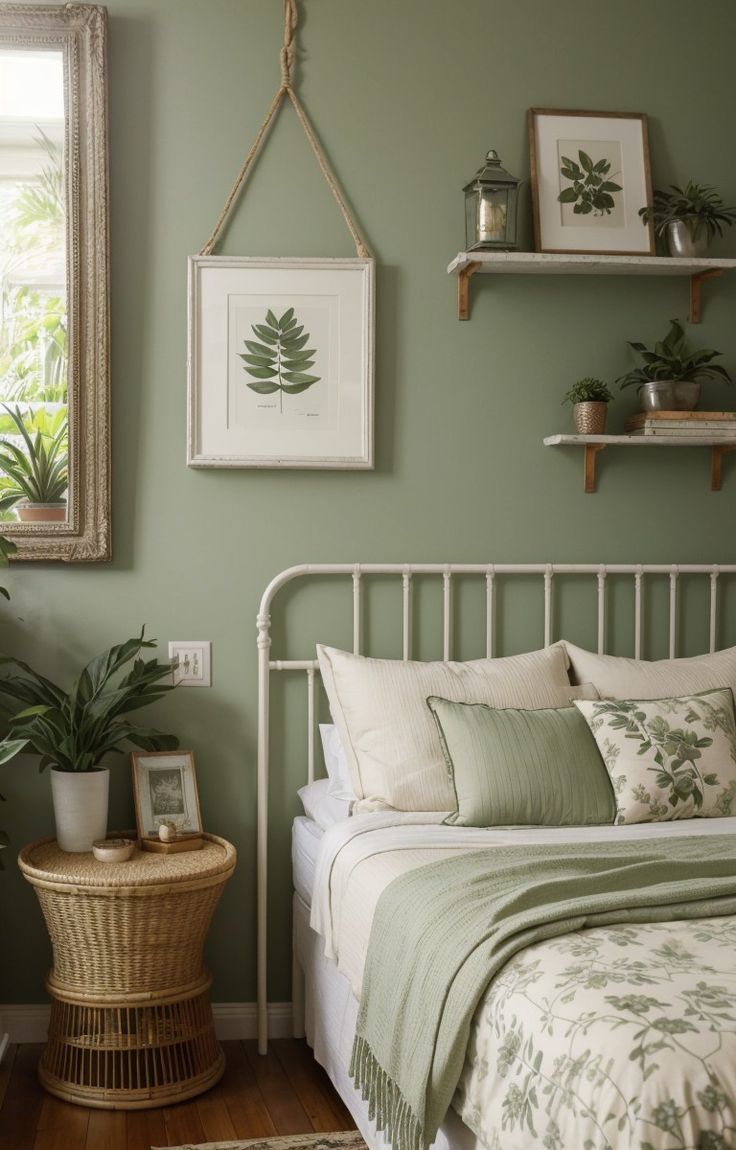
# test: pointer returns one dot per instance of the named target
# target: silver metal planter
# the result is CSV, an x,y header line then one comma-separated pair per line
x,y
687,239
669,395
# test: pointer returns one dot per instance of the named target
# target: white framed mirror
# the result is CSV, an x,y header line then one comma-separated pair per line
x,y
54,282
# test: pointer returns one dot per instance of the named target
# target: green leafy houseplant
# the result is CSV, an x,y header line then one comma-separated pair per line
x,y
672,358
591,190
73,730
589,390
38,471
699,206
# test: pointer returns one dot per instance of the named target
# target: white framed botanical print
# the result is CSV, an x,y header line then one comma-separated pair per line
x,y
590,178
280,362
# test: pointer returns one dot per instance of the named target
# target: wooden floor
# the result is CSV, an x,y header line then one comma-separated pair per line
x,y
284,1093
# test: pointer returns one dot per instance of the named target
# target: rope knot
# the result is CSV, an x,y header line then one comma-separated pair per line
x,y
287,63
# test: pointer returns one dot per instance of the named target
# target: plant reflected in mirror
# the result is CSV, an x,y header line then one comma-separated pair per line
x,y
33,308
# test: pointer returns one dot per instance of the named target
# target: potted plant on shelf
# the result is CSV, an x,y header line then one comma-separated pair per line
x,y
73,730
589,398
672,372
35,477
688,217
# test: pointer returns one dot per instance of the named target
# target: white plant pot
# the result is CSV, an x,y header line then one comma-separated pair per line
x,y
80,807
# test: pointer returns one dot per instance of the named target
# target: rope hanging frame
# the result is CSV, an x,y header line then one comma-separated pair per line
x,y
287,91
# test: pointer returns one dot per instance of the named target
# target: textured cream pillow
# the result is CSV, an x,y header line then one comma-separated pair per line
x,y
618,678
389,734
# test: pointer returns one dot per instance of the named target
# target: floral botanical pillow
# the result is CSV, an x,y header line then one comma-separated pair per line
x,y
668,758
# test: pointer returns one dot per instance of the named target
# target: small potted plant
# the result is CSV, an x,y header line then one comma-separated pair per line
x,y
688,217
35,477
72,730
589,398
672,372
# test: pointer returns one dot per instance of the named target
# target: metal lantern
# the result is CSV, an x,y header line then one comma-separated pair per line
x,y
490,207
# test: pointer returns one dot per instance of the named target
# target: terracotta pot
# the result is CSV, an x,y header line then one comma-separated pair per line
x,y
41,512
80,807
590,417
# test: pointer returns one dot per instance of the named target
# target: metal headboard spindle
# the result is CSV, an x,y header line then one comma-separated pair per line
x,y
406,571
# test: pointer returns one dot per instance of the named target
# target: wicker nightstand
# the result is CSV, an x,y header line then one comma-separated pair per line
x,y
131,1023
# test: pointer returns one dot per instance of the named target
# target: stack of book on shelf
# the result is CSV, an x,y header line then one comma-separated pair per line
x,y
684,424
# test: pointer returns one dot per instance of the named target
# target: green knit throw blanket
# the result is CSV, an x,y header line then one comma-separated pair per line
x,y
441,932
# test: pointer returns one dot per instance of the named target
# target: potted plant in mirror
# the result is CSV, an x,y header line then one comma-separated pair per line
x,y
589,398
73,730
672,372
688,217
34,476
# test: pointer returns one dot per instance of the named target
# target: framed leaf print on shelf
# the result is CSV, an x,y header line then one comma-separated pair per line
x,y
590,177
280,362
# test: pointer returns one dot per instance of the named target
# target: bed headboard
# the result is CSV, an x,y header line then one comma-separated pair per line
x,y
491,574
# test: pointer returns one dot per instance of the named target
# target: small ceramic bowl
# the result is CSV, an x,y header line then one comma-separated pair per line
x,y
113,850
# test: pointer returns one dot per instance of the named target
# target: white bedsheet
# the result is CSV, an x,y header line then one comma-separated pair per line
x,y
306,838
360,856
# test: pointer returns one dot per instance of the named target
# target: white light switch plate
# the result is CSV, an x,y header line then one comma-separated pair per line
x,y
195,662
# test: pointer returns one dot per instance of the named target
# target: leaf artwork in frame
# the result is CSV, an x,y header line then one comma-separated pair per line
x,y
278,358
591,188
590,180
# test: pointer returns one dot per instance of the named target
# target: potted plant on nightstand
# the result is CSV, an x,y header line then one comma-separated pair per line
x,y
589,398
34,477
73,730
672,372
688,217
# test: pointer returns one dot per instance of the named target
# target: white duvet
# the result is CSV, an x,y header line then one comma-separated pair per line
x,y
615,1037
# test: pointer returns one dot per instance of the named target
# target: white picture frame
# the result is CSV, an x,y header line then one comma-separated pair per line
x,y
165,791
561,142
244,408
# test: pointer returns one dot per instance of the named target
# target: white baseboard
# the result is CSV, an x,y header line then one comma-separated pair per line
x,y
30,1023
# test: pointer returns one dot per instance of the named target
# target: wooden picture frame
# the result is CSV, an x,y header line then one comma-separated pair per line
x,y
590,177
165,790
280,362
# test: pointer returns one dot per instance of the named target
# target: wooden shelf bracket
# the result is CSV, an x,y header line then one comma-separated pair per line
x,y
695,282
463,280
716,460
591,450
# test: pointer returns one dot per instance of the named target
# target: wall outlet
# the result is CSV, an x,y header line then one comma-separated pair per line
x,y
194,657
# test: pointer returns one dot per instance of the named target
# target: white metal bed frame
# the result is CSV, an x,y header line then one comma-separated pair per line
x,y
446,571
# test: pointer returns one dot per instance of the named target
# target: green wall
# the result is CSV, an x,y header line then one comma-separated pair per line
x,y
407,96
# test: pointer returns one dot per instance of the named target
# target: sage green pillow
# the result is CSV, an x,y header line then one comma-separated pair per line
x,y
536,768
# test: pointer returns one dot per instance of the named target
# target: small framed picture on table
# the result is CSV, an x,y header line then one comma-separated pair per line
x,y
165,793
590,179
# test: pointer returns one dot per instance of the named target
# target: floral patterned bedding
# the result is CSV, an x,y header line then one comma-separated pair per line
x,y
614,1038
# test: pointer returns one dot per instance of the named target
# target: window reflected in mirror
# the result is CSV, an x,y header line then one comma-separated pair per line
x,y
54,282
33,289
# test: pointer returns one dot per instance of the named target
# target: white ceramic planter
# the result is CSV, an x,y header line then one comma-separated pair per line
x,y
80,807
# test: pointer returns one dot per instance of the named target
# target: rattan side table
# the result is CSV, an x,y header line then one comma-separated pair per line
x,y
131,1022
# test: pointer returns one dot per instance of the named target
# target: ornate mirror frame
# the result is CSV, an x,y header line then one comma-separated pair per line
x,y
79,31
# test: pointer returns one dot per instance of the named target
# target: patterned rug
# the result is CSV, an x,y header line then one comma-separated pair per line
x,y
339,1140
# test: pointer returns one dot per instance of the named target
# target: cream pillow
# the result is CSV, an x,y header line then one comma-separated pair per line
x,y
618,678
389,734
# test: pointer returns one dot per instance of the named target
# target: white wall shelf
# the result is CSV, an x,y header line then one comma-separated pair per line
x,y
467,264
592,444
